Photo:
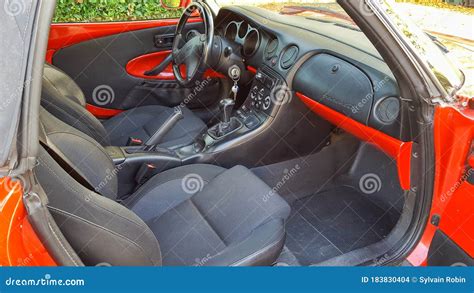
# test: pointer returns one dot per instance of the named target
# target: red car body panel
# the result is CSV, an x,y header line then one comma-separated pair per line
x,y
453,198
19,245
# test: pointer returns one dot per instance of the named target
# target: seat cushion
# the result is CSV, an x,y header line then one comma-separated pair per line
x,y
207,215
143,122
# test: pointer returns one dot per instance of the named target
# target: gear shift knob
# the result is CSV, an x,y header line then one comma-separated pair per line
x,y
226,105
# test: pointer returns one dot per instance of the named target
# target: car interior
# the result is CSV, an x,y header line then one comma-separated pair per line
x,y
243,138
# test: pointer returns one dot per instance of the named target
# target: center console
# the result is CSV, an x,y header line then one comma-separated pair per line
x,y
266,95
237,127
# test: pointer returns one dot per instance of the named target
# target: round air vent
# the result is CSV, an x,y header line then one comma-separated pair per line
x,y
271,49
289,56
387,110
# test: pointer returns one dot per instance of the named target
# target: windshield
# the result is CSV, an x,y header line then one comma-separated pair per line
x,y
323,10
449,75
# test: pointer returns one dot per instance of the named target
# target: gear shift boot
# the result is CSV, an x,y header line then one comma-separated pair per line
x,y
224,128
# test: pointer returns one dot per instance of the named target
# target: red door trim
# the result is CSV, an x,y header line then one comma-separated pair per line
x,y
139,65
102,113
398,150
62,35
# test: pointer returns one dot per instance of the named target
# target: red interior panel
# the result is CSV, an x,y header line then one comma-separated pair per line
x,y
139,65
102,113
251,69
66,34
398,150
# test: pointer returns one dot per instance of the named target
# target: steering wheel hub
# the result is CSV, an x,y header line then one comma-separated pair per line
x,y
194,53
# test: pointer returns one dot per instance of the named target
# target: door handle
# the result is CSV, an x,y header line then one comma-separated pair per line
x,y
163,41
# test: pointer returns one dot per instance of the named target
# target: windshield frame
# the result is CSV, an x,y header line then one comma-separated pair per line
x,y
448,79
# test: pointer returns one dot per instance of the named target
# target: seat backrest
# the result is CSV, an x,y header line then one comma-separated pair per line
x,y
63,98
99,229
85,155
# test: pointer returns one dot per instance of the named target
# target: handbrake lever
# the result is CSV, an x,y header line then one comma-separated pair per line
x,y
166,127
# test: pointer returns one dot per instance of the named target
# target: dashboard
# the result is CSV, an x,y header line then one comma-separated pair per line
x,y
333,64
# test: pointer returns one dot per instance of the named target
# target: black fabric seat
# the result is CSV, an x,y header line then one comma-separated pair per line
x,y
191,215
63,98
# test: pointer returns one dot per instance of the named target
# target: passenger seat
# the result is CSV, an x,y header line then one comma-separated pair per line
x,y
191,215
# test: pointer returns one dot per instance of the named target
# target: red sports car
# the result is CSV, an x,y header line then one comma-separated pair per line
x,y
333,133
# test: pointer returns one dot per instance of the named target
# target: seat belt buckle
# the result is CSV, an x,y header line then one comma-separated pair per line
x,y
134,141
145,172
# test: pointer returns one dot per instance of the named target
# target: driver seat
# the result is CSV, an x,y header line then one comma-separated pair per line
x,y
63,98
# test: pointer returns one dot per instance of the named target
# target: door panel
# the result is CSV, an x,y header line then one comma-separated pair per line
x,y
141,64
109,68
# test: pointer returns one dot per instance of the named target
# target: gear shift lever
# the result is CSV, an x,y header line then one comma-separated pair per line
x,y
226,105
227,124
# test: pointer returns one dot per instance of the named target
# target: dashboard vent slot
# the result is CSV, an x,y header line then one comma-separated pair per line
x,y
271,49
289,56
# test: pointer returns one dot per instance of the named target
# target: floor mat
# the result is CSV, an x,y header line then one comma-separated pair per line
x,y
334,222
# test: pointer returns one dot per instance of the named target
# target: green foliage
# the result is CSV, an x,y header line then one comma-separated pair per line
x,y
111,10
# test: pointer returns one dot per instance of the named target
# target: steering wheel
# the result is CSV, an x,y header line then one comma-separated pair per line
x,y
192,53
